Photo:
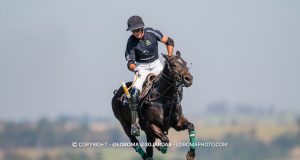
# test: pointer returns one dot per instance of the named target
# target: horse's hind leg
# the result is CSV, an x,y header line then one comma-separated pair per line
x,y
183,124
159,134
134,140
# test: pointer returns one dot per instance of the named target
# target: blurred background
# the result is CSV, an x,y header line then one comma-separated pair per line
x,y
61,60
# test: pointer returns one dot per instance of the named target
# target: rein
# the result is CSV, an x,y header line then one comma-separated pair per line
x,y
178,82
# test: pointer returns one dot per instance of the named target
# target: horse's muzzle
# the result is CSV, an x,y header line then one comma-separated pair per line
x,y
187,80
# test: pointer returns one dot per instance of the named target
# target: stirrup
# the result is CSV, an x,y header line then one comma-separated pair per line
x,y
135,130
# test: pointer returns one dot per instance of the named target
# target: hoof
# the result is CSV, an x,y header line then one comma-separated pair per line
x,y
149,158
190,155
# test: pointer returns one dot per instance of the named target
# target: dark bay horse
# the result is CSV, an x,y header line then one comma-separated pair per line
x,y
160,109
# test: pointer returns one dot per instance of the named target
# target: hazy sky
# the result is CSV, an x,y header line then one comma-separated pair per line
x,y
67,57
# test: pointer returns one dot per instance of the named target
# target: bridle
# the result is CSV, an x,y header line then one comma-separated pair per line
x,y
178,78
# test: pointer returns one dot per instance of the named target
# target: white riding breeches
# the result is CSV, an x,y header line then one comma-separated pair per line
x,y
144,70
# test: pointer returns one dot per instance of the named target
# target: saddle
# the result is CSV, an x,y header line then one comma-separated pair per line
x,y
147,85
145,89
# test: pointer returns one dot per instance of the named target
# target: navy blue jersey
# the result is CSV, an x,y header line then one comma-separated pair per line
x,y
143,50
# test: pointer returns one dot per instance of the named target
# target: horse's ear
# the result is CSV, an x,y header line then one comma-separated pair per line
x,y
178,53
165,56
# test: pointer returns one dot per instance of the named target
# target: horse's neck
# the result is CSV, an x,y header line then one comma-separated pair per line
x,y
165,85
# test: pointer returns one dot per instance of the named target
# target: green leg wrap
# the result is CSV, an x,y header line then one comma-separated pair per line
x,y
192,140
164,149
140,151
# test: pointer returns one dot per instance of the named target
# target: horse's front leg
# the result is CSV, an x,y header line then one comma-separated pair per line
x,y
183,124
150,143
159,134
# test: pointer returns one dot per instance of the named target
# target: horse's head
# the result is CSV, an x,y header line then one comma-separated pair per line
x,y
178,71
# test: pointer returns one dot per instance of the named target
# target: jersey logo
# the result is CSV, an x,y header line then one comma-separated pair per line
x,y
148,42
